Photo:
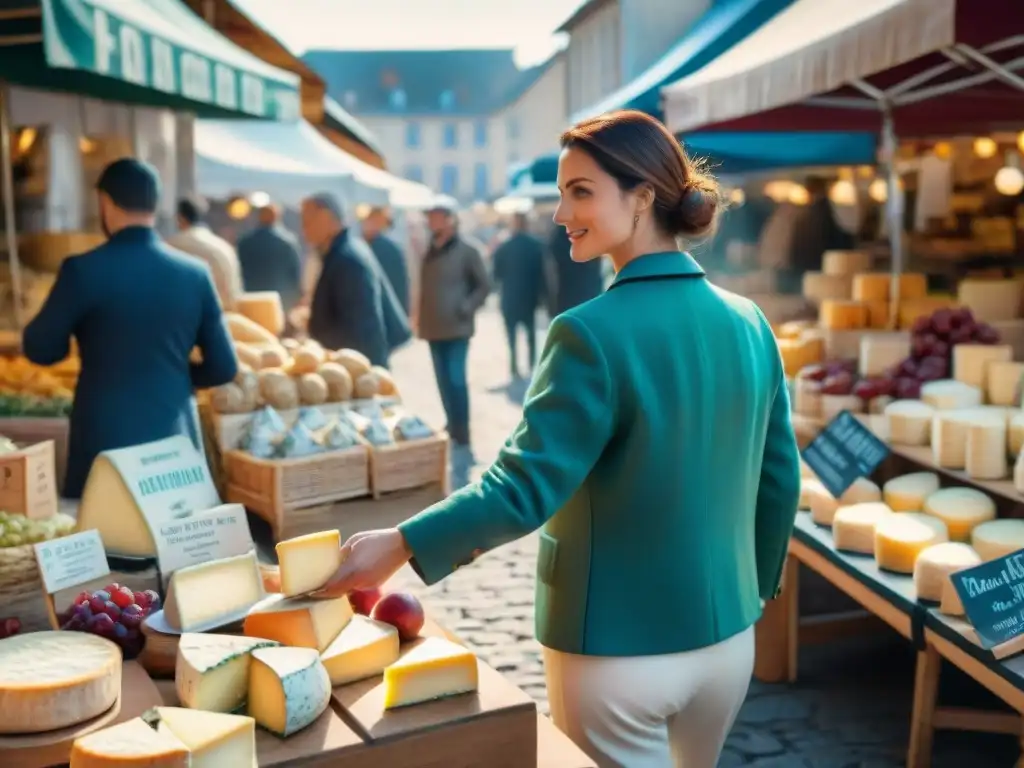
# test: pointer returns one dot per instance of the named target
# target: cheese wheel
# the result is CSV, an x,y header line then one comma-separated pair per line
x,y
824,505
961,509
809,486
985,453
907,493
934,565
807,398
991,301
997,538
879,351
949,437
872,286
901,538
909,422
971,361
846,262
878,314
913,286
1015,433
833,405
263,308
818,287
948,394
53,680
843,315
1003,383
853,527
913,309
796,354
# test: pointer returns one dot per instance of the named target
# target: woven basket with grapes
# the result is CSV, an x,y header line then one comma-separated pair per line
x,y
19,576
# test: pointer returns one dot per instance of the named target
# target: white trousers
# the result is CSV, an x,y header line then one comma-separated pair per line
x,y
674,710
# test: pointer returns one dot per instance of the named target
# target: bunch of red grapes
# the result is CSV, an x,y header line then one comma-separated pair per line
x,y
114,612
9,627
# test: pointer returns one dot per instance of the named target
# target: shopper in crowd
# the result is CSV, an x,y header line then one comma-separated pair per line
x,y
575,282
453,286
389,256
657,454
518,268
815,230
270,258
197,239
136,308
352,305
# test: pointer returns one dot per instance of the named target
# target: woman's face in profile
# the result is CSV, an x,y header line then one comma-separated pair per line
x,y
596,214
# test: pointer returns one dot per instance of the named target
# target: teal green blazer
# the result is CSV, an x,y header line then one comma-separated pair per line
x,y
657,456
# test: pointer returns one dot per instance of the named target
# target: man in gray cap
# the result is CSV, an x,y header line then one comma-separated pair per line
x,y
353,305
137,308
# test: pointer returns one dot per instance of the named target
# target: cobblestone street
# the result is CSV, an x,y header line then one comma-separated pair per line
x,y
850,707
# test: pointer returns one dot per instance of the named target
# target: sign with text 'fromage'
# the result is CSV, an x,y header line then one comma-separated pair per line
x,y
71,560
844,451
993,597
210,534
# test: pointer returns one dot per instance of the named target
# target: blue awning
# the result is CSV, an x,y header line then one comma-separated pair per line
x,y
739,153
723,25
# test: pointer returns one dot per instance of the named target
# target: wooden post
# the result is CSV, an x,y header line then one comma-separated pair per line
x,y
777,634
922,714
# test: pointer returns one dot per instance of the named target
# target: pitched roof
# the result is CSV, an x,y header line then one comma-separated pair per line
x,y
419,82
586,9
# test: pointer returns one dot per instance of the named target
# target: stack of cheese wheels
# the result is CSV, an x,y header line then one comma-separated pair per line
x,y
853,527
824,505
907,493
961,509
985,451
947,394
909,422
899,539
949,437
934,566
971,361
997,538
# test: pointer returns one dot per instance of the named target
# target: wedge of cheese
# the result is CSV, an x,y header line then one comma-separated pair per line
x,y
363,649
212,671
433,669
212,594
214,740
308,562
299,622
288,689
131,744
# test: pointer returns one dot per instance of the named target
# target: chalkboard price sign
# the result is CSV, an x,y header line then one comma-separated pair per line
x,y
993,598
844,451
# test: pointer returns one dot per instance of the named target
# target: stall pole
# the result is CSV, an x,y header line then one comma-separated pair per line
x,y
893,211
10,234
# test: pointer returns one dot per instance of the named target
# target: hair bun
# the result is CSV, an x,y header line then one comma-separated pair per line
x,y
697,210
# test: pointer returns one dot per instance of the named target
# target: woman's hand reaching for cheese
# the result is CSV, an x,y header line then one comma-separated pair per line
x,y
368,560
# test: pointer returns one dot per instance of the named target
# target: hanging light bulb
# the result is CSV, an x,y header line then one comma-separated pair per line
x,y
798,194
737,197
846,174
878,190
259,199
865,171
239,208
1009,181
943,150
843,192
777,190
984,147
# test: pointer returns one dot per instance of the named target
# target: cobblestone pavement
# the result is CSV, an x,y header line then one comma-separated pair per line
x,y
850,708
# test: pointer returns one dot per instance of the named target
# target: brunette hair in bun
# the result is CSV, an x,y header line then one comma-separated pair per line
x,y
634,149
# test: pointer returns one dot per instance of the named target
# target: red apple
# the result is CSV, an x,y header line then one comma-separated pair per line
x,y
402,611
363,600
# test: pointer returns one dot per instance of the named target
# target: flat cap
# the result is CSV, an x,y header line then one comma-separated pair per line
x,y
329,202
132,185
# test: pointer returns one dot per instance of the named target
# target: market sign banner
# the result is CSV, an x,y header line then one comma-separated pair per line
x,y
161,45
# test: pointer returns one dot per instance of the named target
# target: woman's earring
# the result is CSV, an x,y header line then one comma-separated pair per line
x,y
636,221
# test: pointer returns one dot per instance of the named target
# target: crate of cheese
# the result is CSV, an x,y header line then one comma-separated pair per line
x,y
405,453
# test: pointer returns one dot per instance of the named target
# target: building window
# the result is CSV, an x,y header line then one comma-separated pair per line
x,y
349,99
480,185
414,173
397,99
447,100
412,135
450,179
512,128
480,133
450,136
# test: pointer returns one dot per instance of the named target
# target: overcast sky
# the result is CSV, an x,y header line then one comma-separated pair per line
x,y
525,25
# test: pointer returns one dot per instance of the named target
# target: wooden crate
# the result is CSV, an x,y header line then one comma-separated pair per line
x,y
28,482
27,430
409,464
269,487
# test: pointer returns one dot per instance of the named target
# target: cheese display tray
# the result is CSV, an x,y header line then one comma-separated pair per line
x,y
157,622
138,694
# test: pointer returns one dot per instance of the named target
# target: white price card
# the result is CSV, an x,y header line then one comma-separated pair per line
x,y
71,560
210,534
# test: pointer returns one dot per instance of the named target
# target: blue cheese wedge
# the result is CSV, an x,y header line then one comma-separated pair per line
x,y
212,671
289,688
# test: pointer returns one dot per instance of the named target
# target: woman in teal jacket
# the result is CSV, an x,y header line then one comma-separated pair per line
x,y
655,454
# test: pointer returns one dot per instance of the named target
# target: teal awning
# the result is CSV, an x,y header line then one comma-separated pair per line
x,y
723,25
153,52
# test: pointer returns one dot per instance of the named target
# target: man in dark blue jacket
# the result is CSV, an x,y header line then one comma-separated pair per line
x,y
518,268
271,259
389,255
353,305
575,283
137,308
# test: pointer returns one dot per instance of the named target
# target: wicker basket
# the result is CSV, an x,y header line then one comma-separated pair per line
x,y
269,487
19,575
408,464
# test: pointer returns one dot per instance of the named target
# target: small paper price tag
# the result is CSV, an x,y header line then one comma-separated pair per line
x,y
71,560
210,534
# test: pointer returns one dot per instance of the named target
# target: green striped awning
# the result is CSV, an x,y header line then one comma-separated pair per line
x,y
155,52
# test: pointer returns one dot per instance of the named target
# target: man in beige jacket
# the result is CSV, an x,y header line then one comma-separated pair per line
x,y
196,239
